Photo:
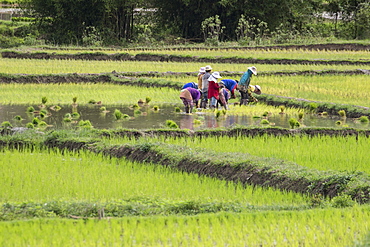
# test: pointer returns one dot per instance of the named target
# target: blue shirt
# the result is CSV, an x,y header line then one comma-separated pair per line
x,y
229,84
190,84
246,78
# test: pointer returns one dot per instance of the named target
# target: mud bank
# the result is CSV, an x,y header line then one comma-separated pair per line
x,y
172,58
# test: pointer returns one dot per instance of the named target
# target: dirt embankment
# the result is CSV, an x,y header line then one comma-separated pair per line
x,y
174,58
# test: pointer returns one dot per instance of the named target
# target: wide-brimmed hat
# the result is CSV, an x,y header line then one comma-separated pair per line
x,y
208,67
202,69
258,89
253,69
216,75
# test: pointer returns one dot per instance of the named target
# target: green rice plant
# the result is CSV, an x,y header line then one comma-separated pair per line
x,y
324,113
75,115
42,115
68,115
177,109
338,122
171,124
218,114
117,114
85,124
125,116
67,120
42,124
364,119
293,123
135,106
264,121
44,100
6,125
74,100
155,108
18,118
342,113
282,109
30,109
30,126
197,122
300,115
92,101
103,108
137,112
36,121
265,114
148,100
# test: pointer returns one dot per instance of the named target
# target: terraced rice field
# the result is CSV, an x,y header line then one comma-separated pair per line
x,y
168,187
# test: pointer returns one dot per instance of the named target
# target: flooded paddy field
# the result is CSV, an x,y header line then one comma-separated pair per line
x,y
147,117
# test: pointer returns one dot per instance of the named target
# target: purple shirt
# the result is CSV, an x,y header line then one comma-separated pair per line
x,y
195,94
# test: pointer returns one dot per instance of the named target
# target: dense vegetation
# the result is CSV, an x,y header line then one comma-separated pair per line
x,y
114,22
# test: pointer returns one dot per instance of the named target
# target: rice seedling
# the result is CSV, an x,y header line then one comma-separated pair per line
x,y
30,109
148,100
338,122
177,109
155,108
6,125
172,124
18,118
75,115
118,115
293,123
342,113
30,126
300,115
364,119
85,124
265,121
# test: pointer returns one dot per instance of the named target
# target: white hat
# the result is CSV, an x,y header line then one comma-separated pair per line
x,y
216,75
258,88
208,67
253,69
202,69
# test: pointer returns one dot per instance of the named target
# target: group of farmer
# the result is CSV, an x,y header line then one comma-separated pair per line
x,y
213,94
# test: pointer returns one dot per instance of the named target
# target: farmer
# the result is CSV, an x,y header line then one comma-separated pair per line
x,y
190,84
223,96
213,89
230,85
205,83
246,89
189,97
201,73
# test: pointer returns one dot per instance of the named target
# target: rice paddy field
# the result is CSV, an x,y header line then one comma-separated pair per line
x,y
60,197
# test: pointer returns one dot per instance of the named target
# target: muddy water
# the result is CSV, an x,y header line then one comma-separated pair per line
x,y
156,119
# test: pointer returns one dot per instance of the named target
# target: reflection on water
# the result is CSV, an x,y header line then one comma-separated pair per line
x,y
148,118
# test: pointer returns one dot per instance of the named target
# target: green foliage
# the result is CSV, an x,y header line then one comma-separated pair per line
x,y
342,201
148,100
177,109
342,113
6,124
171,124
74,100
30,109
264,121
294,123
18,118
364,119
155,108
212,29
85,124
44,100
118,114
30,126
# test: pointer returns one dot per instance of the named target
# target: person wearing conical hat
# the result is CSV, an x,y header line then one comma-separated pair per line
x,y
205,84
246,89
213,89
201,73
